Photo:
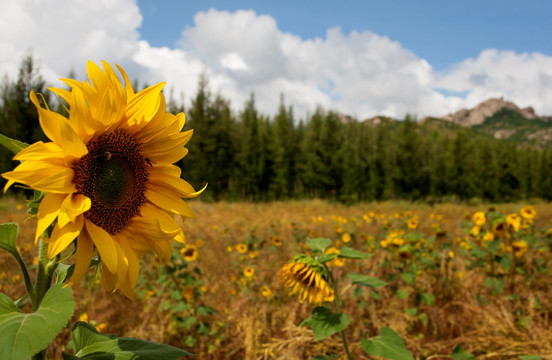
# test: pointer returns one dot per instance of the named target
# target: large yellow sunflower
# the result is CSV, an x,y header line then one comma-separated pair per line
x,y
108,175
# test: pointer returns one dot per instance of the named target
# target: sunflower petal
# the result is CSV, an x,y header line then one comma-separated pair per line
x,y
73,206
62,237
85,251
48,210
168,201
105,245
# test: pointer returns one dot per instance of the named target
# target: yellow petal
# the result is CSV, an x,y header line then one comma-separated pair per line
x,y
40,151
48,210
144,105
166,220
109,280
105,244
48,120
80,116
128,84
71,143
48,175
133,267
168,201
62,237
63,93
167,150
73,206
162,180
59,182
85,252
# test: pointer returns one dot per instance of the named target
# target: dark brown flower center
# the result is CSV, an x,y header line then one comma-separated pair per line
x,y
114,176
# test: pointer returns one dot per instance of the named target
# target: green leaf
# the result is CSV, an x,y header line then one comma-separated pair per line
x,y
325,323
8,236
409,277
62,272
13,145
350,253
24,335
318,244
531,357
326,257
91,345
460,354
388,344
365,280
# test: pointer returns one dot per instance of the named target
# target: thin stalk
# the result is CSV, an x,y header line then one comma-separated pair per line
x,y
338,308
44,274
28,284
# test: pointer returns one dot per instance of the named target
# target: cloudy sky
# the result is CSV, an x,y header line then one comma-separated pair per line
x,y
360,58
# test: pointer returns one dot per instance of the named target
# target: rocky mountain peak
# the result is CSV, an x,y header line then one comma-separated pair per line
x,y
486,109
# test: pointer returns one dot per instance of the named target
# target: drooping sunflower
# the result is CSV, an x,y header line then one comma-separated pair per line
x,y
108,175
307,278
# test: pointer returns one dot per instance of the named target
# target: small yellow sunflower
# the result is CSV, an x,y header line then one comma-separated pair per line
x,y
242,248
412,223
519,248
189,252
479,218
346,237
337,261
527,212
108,175
307,278
514,221
248,271
265,291
276,240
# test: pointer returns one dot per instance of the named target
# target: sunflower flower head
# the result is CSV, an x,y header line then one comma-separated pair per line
x,y
307,278
189,252
479,218
108,176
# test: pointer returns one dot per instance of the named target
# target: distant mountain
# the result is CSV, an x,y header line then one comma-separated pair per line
x,y
502,120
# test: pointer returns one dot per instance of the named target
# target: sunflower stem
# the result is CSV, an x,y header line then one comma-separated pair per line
x,y
44,274
28,284
338,308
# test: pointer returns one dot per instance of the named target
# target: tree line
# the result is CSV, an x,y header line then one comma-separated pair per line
x,y
247,155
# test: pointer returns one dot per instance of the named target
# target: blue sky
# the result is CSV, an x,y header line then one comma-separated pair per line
x,y
443,32
361,58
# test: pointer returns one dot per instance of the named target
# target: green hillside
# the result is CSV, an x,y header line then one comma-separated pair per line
x,y
511,125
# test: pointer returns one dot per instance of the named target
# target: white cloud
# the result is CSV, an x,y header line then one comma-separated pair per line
x,y
360,73
64,34
524,78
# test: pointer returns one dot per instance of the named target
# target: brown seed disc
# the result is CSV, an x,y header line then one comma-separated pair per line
x,y
114,176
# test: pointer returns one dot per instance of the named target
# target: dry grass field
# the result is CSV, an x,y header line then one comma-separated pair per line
x,y
221,297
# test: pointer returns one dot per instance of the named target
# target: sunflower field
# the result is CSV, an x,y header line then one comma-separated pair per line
x,y
454,281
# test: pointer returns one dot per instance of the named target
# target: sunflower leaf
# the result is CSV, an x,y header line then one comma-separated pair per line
x,y
8,236
91,345
365,280
12,145
460,354
318,244
326,257
24,334
325,323
350,253
388,344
